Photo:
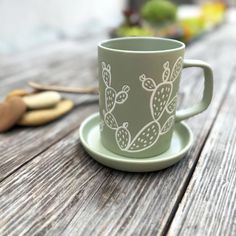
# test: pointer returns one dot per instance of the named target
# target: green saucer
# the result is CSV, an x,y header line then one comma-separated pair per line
x,y
90,138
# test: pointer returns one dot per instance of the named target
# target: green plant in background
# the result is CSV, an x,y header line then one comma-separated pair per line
x,y
132,26
129,31
159,11
159,18
192,27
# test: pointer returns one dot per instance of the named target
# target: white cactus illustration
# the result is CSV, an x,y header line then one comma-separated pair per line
x,y
147,83
160,102
110,120
160,94
171,105
110,98
106,74
122,96
123,136
166,72
146,137
168,124
159,99
176,69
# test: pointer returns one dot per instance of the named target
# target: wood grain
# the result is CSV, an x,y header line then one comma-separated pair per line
x,y
61,191
21,145
208,206
49,188
49,55
70,71
152,213
16,146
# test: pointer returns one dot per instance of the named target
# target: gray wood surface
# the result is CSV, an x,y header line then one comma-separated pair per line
x,y
50,186
208,206
50,68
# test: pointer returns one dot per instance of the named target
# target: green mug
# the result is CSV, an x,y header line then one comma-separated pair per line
x,y
138,87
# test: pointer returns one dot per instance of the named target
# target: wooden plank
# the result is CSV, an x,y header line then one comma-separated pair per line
x,y
13,64
68,71
21,145
57,182
51,196
208,206
42,63
41,55
16,146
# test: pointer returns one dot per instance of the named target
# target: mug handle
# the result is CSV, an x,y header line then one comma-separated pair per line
x,y
207,93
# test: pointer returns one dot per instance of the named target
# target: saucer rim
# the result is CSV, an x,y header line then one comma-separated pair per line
x,y
116,157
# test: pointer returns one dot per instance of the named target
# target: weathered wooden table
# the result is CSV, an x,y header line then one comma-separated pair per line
x,y
50,186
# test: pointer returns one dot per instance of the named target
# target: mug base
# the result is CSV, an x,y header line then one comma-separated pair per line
x,y
140,154
181,142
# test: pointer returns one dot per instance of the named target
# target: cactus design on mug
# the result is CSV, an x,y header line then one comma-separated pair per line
x,y
176,69
123,136
159,99
147,83
106,74
112,97
122,96
146,137
166,72
168,124
110,120
160,102
172,105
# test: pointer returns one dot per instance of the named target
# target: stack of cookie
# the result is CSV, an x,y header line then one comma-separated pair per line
x,y
32,109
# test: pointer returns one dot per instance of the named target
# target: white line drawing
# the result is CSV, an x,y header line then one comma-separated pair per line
x,y
159,99
171,105
160,93
122,96
160,102
168,124
148,83
110,98
166,72
145,138
110,120
176,69
106,74
123,136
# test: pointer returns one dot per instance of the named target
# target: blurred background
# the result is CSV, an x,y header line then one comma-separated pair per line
x,y
27,24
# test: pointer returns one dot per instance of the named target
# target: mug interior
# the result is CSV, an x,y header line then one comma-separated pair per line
x,y
142,44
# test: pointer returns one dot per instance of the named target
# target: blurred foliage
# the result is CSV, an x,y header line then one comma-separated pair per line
x,y
130,31
159,18
192,27
159,11
213,13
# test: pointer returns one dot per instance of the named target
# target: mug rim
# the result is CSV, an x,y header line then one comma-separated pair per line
x,y
102,46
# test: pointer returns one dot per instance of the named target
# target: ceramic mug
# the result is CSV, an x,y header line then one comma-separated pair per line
x,y
138,87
